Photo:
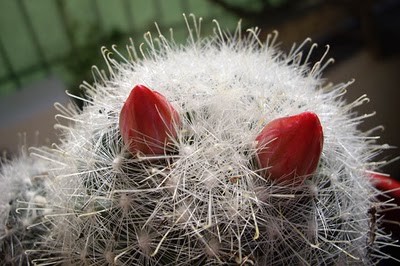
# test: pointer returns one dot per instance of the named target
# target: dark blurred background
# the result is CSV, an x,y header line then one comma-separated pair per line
x,y
49,46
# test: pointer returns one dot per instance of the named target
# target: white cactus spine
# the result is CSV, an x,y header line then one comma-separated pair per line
x,y
206,202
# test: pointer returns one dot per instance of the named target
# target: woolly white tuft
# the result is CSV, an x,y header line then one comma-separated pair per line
x,y
206,202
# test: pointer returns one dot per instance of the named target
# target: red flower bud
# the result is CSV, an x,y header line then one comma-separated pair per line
x,y
289,148
386,184
390,187
147,121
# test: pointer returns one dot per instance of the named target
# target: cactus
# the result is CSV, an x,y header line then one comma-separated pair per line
x,y
23,205
198,155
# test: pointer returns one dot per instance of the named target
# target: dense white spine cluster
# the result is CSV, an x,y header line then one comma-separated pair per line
x,y
205,202
23,205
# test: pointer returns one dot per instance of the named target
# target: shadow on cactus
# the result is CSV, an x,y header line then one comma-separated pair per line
x,y
224,151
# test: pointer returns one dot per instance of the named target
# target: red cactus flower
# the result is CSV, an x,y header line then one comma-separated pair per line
x,y
289,148
147,121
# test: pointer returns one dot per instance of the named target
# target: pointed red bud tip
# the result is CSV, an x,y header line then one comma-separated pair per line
x,y
289,148
386,184
147,121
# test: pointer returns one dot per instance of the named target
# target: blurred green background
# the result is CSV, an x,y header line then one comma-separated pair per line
x,y
63,38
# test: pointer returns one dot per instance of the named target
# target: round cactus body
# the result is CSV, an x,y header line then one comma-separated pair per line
x,y
182,174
